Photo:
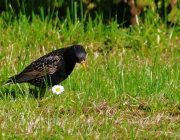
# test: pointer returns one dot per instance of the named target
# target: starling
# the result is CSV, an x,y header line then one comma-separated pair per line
x,y
52,68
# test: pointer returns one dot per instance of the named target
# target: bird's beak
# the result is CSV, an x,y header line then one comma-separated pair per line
x,y
83,63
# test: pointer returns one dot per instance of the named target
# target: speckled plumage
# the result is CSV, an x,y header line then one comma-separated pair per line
x,y
52,68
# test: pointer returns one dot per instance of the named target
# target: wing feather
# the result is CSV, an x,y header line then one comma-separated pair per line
x,y
43,66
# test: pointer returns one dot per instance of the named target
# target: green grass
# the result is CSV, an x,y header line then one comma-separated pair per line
x,y
130,90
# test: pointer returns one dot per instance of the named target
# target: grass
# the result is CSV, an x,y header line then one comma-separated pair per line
x,y
130,90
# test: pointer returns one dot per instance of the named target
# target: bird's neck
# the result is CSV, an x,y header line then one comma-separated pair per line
x,y
69,55
70,60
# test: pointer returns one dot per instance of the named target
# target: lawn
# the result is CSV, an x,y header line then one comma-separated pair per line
x,y
131,89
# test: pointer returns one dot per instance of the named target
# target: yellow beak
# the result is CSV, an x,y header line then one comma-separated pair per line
x,y
83,63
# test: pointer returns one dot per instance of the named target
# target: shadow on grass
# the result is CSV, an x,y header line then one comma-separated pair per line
x,y
16,93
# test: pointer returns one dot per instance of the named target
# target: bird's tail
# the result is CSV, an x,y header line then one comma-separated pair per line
x,y
10,81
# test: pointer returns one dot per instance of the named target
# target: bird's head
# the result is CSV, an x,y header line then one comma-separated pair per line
x,y
80,55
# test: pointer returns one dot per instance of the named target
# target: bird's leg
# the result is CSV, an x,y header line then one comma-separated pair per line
x,y
38,92
43,91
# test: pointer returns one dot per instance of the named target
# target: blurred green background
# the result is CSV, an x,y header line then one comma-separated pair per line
x,y
119,10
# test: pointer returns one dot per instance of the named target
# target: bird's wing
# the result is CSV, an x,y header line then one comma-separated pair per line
x,y
43,66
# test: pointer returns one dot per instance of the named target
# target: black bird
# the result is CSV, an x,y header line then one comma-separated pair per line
x,y
52,68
